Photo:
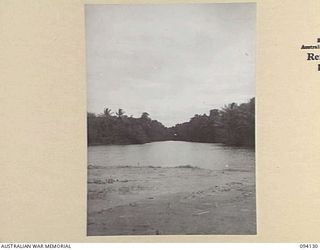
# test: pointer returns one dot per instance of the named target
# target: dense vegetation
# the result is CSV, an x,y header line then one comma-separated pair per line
x,y
233,125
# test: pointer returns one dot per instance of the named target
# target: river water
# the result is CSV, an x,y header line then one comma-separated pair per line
x,y
212,156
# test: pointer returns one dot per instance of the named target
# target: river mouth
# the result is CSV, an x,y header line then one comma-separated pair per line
x,y
213,156
171,188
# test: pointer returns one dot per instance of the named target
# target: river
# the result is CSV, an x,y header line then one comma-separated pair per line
x,y
213,156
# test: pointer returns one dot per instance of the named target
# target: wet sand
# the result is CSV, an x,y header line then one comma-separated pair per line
x,y
184,200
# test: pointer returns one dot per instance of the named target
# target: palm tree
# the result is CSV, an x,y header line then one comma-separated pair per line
x,y
107,112
120,113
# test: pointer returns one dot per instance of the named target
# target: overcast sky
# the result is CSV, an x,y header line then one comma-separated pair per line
x,y
172,61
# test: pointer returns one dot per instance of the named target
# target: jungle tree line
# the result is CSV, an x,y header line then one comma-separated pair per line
x,y
234,124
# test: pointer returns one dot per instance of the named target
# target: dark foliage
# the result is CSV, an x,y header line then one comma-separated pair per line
x,y
233,125
121,129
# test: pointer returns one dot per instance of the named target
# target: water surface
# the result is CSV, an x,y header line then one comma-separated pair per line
x,y
213,156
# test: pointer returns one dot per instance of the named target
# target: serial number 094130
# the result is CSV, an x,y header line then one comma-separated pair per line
x,y
308,245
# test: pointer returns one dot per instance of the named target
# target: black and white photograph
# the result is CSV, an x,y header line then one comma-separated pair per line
x,y
171,119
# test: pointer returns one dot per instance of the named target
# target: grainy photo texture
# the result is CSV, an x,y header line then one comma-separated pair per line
x,y
171,119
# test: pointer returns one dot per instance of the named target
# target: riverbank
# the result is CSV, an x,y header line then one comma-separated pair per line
x,y
182,200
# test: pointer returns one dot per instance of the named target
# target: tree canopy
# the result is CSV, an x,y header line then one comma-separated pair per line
x,y
234,124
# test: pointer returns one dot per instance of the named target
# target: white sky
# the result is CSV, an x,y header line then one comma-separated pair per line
x,y
172,61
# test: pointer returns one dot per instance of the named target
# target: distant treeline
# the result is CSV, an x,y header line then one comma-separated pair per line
x,y
234,124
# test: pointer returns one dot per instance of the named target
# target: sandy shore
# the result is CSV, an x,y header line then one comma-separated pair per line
x,y
183,200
